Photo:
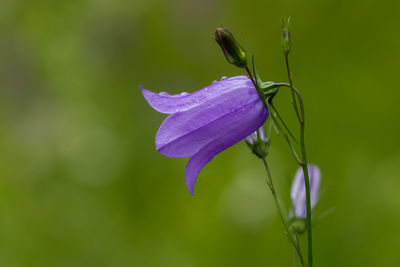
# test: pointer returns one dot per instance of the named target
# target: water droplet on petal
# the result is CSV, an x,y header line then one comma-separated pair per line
x,y
183,93
223,78
214,82
163,94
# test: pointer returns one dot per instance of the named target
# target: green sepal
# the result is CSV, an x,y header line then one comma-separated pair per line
x,y
260,147
270,89
298,225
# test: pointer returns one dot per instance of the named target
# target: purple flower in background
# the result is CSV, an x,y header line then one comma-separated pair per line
x,y
204,123
298,191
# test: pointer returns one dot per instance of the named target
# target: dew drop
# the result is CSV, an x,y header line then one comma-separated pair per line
x,y
183,93
214,82
223,78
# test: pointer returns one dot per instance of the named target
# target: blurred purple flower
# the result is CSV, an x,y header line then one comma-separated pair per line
x,y
298,191
206,122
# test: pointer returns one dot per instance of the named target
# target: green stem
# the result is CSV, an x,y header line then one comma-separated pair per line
x,y
292,148
259,91
303,164
294,103
307,183
281,212
284,124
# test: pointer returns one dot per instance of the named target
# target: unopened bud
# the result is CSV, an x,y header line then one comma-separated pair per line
x,y
258,143
233,52
298,191
286,42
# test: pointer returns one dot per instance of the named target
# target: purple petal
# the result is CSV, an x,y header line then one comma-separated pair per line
x,y
298,192
183,134
232,128
169,104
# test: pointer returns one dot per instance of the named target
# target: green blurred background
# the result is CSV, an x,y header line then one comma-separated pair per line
x,y
81,183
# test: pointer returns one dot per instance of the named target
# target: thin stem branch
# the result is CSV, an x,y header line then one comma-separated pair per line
x,y
283,123
294,257
260,93
294,103
281,212
276,123
297,93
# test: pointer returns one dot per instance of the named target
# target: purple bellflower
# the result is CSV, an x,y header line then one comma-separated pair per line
x,y
298,191
204,123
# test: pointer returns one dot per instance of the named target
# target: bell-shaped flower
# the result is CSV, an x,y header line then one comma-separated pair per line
x,y
298,191
204,123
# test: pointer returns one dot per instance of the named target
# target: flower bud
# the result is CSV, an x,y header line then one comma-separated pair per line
x,y
233,52
286,42
298,225
298,191
258,143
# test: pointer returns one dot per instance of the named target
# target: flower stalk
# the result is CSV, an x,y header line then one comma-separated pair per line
x,y
303,162
290,233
